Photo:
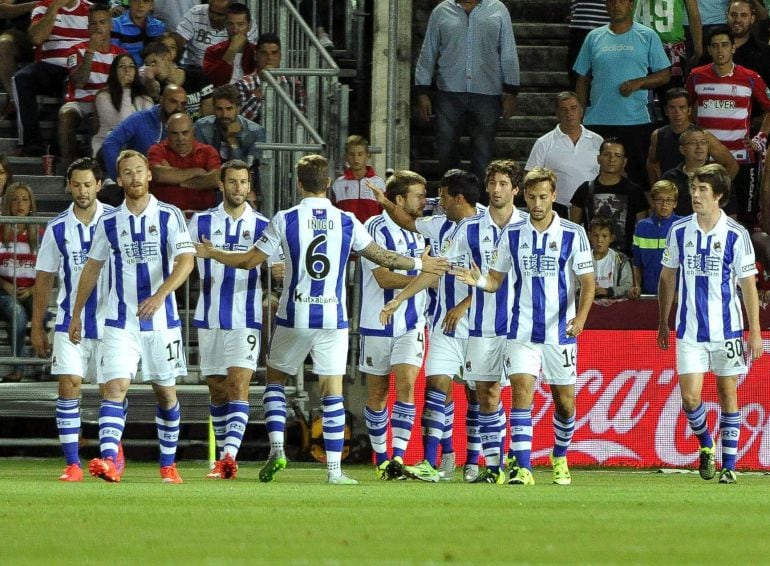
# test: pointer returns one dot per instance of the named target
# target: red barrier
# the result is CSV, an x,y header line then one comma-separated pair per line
x,y
629,408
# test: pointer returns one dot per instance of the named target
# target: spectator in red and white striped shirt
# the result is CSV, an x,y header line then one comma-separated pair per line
x,y
89,67
57,25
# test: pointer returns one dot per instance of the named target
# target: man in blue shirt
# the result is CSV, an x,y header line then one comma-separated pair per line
x,y
136,28
470,50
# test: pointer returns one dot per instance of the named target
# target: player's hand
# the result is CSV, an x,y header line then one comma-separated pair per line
x,y
76,327
426,109
434,265
509,105
631,86
149,306
756,348
386,314
39,338
663,333
378,193
204,248
453,316
635,292
468,276
278,270
575,326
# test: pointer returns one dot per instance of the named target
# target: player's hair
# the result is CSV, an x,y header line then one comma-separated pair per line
x,y
85,164
721,30
540,175
459,182
691,129
749,3
95,8
8,229
566,95
235,165
128,153
238,8
674,93
507,167
156,48
313,173
665,187
268,37
399,182
228,92
356,141
717,177
601,222
612,140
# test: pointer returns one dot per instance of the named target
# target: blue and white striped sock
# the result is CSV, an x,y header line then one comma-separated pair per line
x,y
521,436
563,430
377,427
219,423
472,432
237,420
274,401
111,425
730,431
447,444
699,425
502,422
167,423
401,423
334,432
433,423
68,424
489,425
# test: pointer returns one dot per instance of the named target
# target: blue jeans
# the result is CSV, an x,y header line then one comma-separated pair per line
x,y
479,113
8,306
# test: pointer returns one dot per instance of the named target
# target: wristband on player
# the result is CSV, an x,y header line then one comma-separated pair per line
x,y
482,282
417,263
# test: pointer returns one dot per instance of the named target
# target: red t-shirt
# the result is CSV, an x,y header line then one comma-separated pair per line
x,y
203,156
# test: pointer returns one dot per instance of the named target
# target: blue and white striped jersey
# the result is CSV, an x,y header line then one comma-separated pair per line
x,y
317,239
544,268
141,250
411,313
229,298
64,250
710,265
476,238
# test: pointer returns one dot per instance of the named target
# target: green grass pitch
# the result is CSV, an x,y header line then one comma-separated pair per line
x,y
605,517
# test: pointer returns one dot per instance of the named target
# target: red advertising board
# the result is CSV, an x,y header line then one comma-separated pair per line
x,y
629,408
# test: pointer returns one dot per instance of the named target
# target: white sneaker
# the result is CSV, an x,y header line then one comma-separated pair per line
x,y
341,479
446,468
470,473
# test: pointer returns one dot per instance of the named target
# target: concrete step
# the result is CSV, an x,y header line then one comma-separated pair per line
x,y
528,33
429,169
545,11
549,80
32,166
49,192
544,58
506,147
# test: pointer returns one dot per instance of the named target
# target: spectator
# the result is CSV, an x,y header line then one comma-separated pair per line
x,y
185,172
650,239
168,40
123,95
470,50
171,12
15,46
18,251
585,15
614,277
234,136
89,66
6,176
142,129
57,25
569,150
619,64
230,60
664,151
749,51
136,28
351,191
611,195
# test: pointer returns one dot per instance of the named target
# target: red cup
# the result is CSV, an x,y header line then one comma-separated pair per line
x,y
48,164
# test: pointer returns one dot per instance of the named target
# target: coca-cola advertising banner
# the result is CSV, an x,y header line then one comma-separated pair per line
x,y
629,409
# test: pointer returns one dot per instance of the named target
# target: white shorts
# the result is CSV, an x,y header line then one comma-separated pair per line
x,y
556,362
77,359
378,354
485,358
327,346
161,353
725,359
446,355
222,349
82,108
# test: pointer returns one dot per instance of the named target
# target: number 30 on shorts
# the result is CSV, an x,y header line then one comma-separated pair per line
x,y
734,348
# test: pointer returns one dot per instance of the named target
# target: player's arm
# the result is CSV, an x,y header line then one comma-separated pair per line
x,y
490,282
587,291
79,75
206,181
41,29
183,266
398,215
88,278
388,279
648,82
653,165
386,258
10,10
666,289
456,314
582,88
168,175
41,294
751,303
636,290
419,283
249,259
696,30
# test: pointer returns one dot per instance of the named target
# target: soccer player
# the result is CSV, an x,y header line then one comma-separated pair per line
x,y
544,255
400,345
151,255
713,255
317,240
64,251
229,313
459,192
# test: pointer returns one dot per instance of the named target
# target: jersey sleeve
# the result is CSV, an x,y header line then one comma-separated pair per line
x,y
48,256
671,251
270,240
745,260
761,93
430,227
582,259
192,228
361,238
379,238
100,245
179,241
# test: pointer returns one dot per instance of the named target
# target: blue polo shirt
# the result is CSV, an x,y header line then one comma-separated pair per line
x,y
132,38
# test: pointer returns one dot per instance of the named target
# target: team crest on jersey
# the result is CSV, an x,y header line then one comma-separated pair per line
x,y
72,61
246,235
717,246
153,230
552,246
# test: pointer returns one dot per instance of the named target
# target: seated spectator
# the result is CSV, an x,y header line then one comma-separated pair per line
x,y
611,195
250,87
230,60
168,40
160,70
15,46
57,26
136,28
123,95
185,172
18,250
351,191
6,176
614,277
232,135
171,12
650,239
89,66
142,129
